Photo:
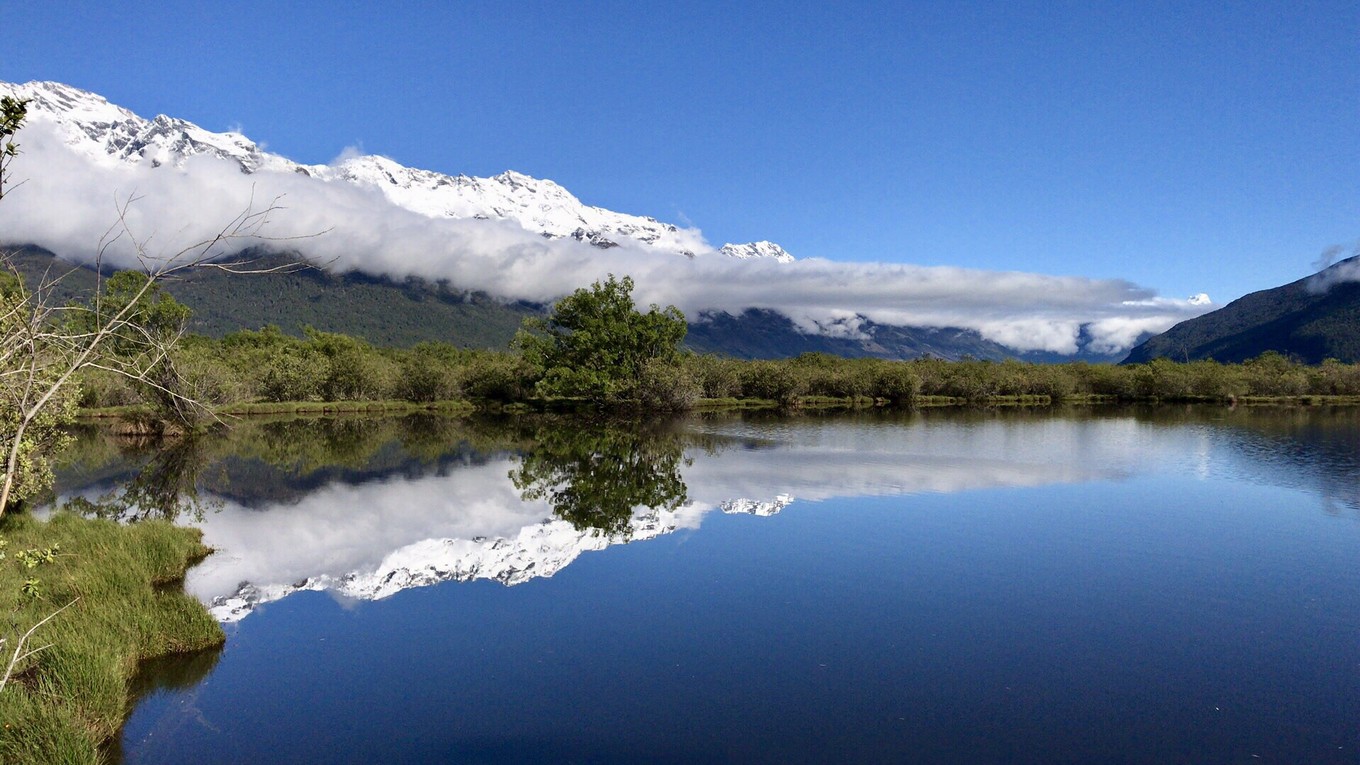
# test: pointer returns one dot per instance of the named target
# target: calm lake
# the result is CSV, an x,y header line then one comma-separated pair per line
x,y
1111,585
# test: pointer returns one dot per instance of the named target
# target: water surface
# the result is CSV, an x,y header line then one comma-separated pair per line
x,y
1165,585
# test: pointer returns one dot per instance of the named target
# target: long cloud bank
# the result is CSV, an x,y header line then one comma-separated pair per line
x,y
67,203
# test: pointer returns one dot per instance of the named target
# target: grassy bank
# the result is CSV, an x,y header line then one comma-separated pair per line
x,y
122,582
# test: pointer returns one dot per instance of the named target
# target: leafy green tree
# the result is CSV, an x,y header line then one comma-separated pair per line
x,y
596,344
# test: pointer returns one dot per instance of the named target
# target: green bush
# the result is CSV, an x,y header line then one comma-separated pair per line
x,y
896,382
1271,374
294,375
495,376
716,377
770,380
1333,378
595,343
666,387
429,372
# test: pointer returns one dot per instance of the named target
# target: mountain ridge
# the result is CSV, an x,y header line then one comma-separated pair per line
x,y
107,133
906,314
1312,319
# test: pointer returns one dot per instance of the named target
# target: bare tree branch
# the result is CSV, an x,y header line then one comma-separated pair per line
x,y
20,654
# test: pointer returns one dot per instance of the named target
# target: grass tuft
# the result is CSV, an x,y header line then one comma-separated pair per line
x,y
72,696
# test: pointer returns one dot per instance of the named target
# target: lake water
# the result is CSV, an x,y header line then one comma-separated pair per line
x,y
1159,585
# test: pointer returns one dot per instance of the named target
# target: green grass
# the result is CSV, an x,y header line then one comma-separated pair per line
x,y
128,607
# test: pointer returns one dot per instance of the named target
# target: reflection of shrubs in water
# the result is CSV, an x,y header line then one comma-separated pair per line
x,y
255,461
166,487
595,474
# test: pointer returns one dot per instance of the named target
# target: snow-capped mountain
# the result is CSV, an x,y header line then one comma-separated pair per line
x,y
756,250
107,133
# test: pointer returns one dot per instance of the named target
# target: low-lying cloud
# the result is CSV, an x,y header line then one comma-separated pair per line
x,y
67,203
1331,273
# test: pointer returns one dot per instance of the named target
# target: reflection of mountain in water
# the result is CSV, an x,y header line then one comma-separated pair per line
x,y
539,550
367,509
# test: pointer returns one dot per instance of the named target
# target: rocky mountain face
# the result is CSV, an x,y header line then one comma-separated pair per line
x,y
1311,320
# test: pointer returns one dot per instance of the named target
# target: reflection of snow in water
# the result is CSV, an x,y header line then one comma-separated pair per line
x,y
372,540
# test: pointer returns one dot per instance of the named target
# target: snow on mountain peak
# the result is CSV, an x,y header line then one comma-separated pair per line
x,y
757,250
109,134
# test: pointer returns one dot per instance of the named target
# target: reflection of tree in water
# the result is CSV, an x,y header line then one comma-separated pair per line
x,y
594,474
165,487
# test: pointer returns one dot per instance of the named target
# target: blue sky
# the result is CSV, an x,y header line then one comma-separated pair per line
x,y
1185,146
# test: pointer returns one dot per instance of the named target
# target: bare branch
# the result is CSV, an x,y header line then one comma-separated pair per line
x,y
19,653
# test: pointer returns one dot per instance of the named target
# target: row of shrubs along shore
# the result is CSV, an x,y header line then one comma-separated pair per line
x,y
260,367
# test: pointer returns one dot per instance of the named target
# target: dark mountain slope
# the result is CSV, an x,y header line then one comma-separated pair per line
x,y
382,311
387,312
1301,320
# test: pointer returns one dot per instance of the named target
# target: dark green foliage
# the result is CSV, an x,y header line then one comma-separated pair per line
x,y
13,111
596,344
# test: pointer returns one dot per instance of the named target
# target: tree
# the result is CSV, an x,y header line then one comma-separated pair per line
x,y
129,329
597,346
12,114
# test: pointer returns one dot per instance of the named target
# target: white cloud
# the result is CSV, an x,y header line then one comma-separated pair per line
x,y
68,203
1331,275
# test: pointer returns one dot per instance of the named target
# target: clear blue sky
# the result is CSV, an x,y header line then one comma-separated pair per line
x,y
1188,147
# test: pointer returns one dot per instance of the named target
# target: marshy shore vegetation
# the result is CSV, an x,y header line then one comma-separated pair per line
x,y
599,351
71,695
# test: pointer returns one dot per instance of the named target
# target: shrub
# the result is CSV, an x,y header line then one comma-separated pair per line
x,y
895,381
498,376
595,344
716,377
665,386
770,380
294,376
429,373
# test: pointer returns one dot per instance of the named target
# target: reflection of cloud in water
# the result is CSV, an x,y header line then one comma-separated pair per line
x,y
372,540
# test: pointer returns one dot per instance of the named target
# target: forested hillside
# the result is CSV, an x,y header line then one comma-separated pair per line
x,y
1311,320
